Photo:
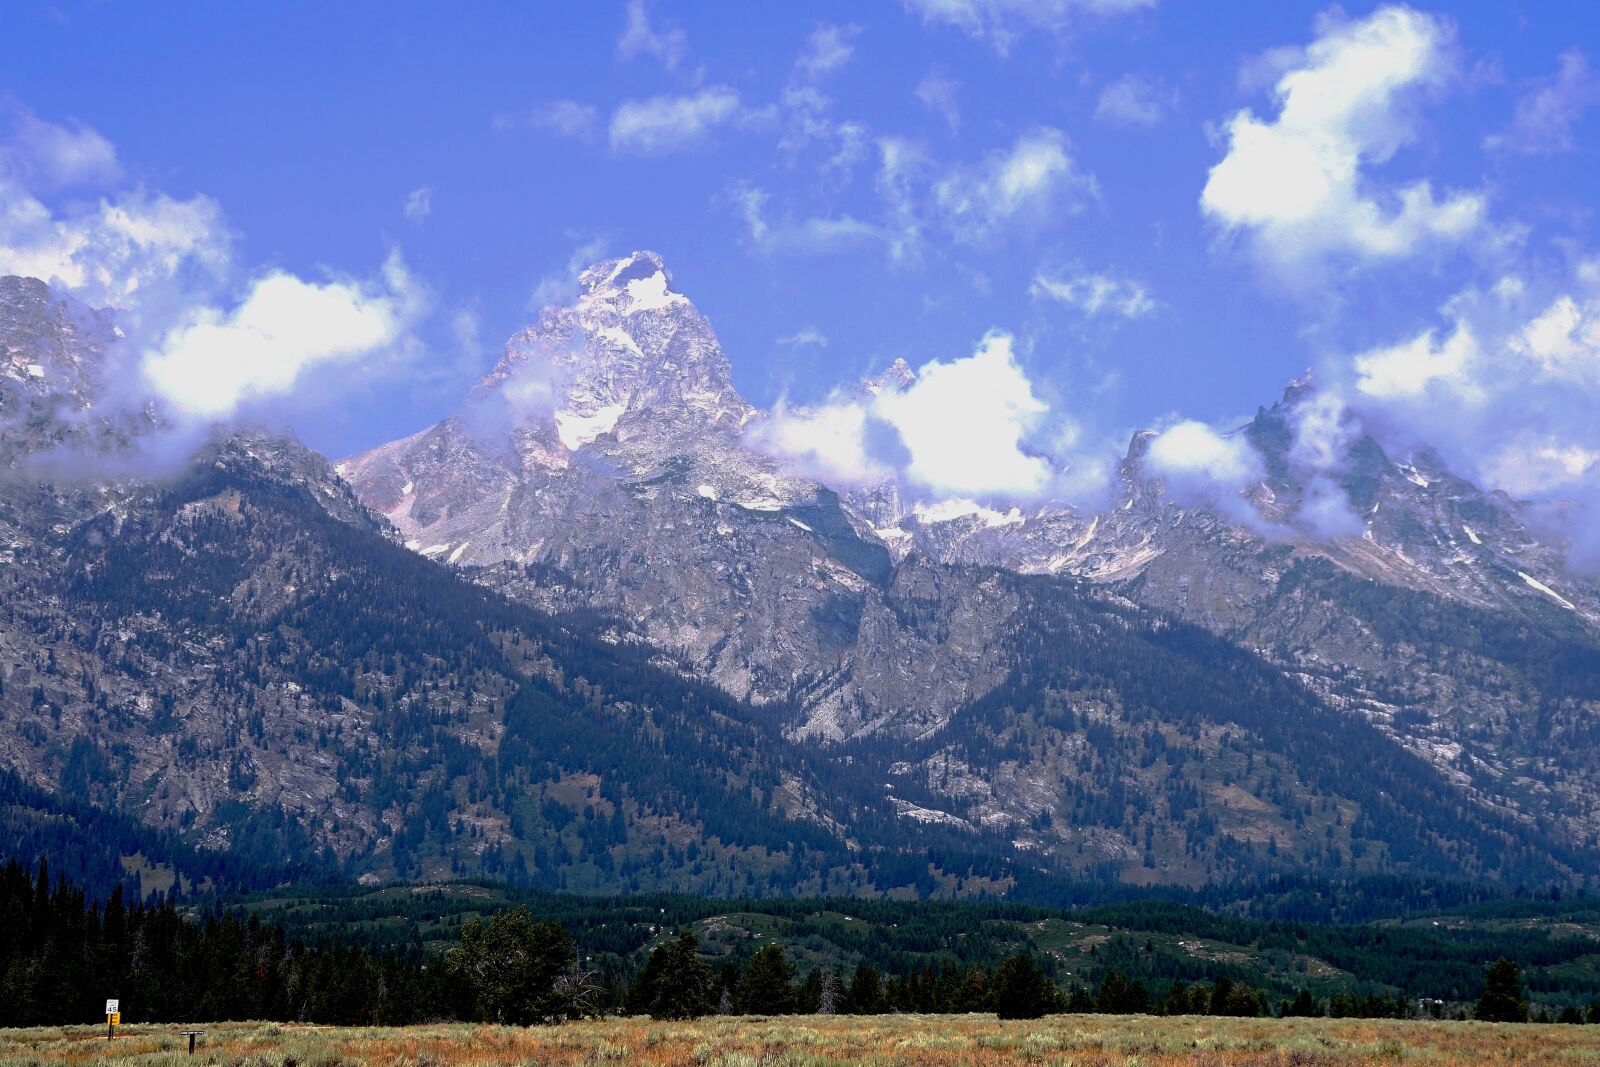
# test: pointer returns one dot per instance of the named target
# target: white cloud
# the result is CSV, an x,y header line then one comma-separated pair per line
x,y
1192,453
115,251
44,155
964,422
828,48
1564,340
1002,22
663,124
564,118
1544,117
1541,465
1032,180
214,360
806,121
806,235
938,94
419,203
1506,392
1326,512
901,166
1297,184
1324,430
1095,294
639,38
1412,368
961,427
1134,100
828,443
807,337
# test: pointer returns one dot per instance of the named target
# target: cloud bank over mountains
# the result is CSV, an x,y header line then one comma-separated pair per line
x,y
1319,179
209,336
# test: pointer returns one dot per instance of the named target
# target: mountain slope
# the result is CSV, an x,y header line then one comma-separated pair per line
x,y
872,622
601,642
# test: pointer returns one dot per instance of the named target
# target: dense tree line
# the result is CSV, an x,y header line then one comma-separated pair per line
x,y
62,953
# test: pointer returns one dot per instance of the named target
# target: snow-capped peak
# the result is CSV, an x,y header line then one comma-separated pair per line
x,y
634,283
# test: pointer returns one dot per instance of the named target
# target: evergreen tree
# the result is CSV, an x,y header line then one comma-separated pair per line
x,y
641,996
808,994
1502,999
866,992
1301,1007
768,984
683,984
1118,996
1021,991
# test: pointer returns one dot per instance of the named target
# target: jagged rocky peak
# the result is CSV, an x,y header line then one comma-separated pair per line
x,y
897,377
629,344
641,281
50,344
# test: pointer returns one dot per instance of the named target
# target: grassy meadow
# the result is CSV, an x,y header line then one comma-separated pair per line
x,y
823,1041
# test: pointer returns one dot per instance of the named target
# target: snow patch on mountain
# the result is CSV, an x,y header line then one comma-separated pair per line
x,y
652,294
1547,591
960,507
577,430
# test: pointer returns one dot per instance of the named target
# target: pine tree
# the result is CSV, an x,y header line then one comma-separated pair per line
x,y
1118,996
866,992
1302,1006
1502,999
768,984
683,985
1021,991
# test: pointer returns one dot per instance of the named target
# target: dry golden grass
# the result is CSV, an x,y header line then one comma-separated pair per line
x,y
883,1041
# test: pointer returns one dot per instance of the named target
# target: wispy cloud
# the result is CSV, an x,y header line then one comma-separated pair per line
x,y
808,337
938,94
663,124
667,44
1544,117
419,203
1095,294
1033,179
829,47
1134,100
1002,22
47,156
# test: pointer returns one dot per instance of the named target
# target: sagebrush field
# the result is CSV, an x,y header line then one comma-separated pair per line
x,y
814,1041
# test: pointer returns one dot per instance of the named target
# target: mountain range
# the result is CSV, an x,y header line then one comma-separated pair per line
x,y
592,632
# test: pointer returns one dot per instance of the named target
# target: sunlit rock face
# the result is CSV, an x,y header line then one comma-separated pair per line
x,y
608,464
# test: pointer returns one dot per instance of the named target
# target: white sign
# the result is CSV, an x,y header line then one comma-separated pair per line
x,y
111,1007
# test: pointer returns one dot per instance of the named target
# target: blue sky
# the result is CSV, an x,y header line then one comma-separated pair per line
x,y
1122,186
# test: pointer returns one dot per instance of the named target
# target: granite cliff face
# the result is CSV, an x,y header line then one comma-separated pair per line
x,y
608,445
